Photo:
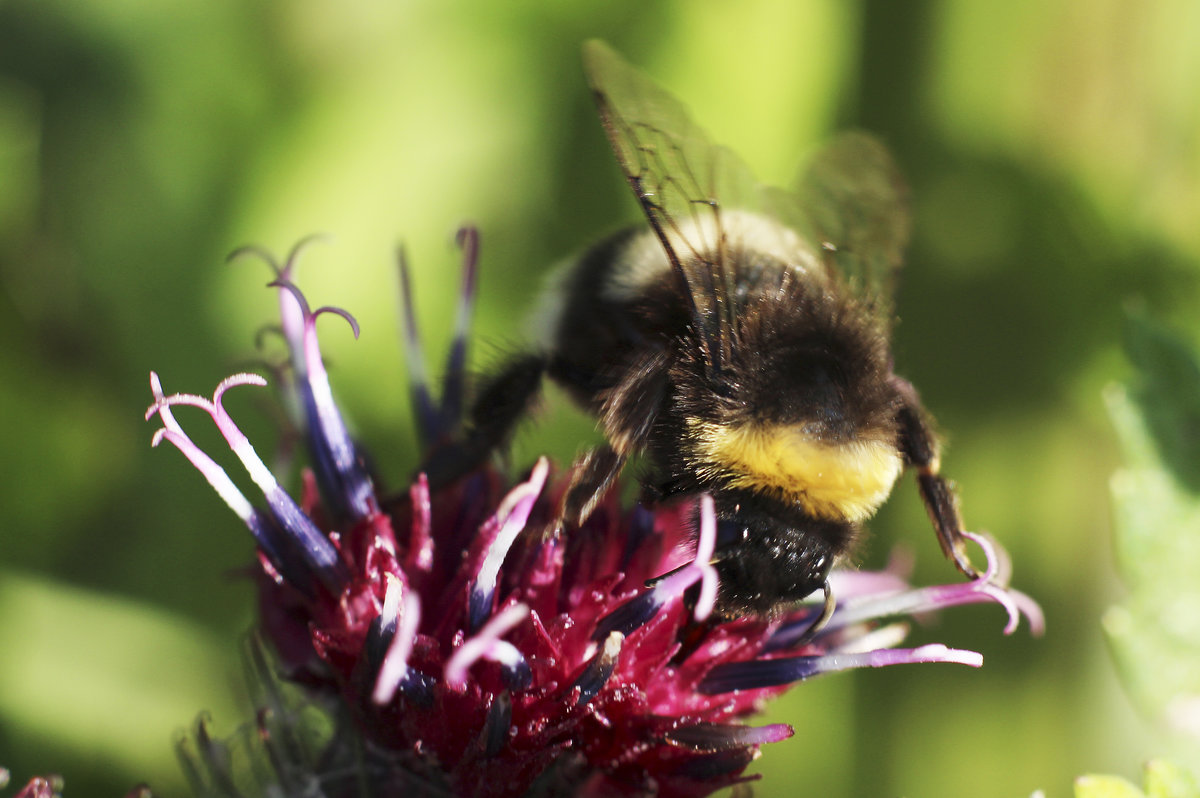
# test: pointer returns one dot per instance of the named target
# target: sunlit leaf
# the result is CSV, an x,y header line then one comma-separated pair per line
x,y
1105,787
1155,632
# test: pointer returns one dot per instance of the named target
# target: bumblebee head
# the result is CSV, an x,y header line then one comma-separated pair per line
x,y
767,565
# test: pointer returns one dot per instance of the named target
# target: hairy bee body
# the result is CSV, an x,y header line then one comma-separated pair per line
x,y
740,344
796,437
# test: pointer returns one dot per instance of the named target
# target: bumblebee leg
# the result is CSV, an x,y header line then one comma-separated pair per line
x,y
920,449
592,475
502,401
629,408
627,411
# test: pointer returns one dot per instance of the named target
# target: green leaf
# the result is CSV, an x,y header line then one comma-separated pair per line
x,y
1155,632
1105,787
1167,387
1165,780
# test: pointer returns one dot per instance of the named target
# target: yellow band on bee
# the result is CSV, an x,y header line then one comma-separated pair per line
x,y
844,481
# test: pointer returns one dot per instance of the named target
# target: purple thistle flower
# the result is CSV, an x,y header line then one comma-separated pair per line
x,y
478,655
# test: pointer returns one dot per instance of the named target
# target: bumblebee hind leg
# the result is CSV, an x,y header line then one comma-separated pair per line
x,y
920,449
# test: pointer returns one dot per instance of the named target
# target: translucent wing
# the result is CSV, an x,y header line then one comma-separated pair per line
x,y
687,187
848,213
854,200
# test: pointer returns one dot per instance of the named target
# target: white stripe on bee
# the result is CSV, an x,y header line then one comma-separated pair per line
x,y
698,238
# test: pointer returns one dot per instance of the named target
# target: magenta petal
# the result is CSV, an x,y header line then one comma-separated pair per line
x,y
717,737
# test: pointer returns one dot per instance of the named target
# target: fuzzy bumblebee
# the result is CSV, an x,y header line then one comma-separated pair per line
x,y
740,344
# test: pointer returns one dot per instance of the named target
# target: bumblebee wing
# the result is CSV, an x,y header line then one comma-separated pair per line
x,y
682,181
856,204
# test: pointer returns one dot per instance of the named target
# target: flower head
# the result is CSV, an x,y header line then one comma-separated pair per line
x,y
478,653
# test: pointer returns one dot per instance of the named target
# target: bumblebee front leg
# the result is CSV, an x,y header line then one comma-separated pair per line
x,y
920,449
502,401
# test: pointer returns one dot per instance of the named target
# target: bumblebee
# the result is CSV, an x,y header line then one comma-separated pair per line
x,y
740,344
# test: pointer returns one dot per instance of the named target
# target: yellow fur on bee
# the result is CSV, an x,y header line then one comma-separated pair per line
x,y
844,482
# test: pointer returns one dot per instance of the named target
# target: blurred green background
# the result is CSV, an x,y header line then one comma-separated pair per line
x,y
1053,150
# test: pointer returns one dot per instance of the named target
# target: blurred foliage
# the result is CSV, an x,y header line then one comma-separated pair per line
x,y
1155,632
1167,392
1053,149
1163,780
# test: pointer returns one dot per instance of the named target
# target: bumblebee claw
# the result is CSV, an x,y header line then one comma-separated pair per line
x,y
963,562
822,619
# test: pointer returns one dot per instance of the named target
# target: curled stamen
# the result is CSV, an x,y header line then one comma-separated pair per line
x,y
994,584
233,381
1016,604
335,458
256,251
311,544
211,406
395,663
294,255
195,400
290,312
163,411
486,644
269,258
266,533
927,599
998,567
310,317
233,436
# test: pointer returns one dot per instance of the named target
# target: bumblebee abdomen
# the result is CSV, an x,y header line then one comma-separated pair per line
x,y
835,481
